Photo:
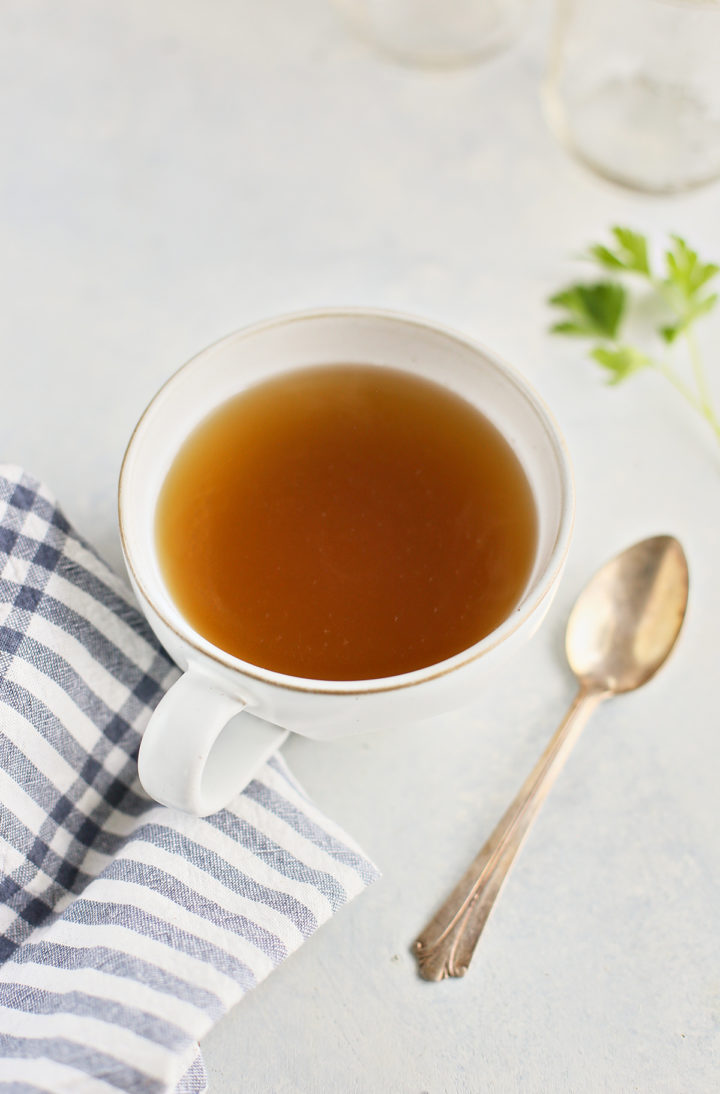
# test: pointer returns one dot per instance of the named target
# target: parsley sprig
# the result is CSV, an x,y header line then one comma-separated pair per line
x,y
680,295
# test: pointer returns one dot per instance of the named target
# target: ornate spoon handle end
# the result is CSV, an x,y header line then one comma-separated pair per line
x,y
446,945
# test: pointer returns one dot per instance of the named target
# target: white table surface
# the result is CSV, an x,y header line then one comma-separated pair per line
x,y
170,171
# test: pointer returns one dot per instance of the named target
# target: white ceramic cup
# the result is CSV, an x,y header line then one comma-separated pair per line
x,y
224,717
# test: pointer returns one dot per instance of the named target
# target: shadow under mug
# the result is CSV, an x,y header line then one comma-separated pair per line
x,y
224,717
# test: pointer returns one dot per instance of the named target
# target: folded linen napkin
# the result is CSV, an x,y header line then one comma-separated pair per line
x,y
126,929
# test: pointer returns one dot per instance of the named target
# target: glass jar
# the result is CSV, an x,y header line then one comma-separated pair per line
x,y
437,32
633,89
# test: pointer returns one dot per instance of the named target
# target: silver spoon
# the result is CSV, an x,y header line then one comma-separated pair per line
x,y
621,630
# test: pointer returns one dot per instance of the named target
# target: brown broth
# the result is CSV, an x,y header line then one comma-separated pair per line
x,y
345,522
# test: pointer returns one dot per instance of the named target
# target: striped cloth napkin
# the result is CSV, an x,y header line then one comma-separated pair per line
x,y
126,929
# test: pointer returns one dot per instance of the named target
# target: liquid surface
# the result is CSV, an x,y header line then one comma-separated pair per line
x,y
345,523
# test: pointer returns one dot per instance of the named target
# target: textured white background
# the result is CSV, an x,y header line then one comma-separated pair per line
x,y
170,171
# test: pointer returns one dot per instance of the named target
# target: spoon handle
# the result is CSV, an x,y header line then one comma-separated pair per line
x,y
446,945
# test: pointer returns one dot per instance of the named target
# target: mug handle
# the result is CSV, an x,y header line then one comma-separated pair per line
x,y
200,748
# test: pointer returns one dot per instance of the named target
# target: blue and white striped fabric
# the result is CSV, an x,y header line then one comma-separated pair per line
x,y
126,929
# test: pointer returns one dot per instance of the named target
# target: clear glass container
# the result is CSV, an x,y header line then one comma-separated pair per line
x,y
633,89
437,32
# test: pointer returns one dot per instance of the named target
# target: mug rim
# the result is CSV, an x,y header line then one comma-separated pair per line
x,y
497,637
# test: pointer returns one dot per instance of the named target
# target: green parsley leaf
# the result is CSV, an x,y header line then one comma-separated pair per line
x,y
631,255
686,273
680,293
605,257
693,312
621,361
592,310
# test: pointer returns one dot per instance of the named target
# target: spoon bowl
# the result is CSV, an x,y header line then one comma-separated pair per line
x,y
628,617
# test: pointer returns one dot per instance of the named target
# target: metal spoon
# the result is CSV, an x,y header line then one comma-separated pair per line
x,y
621,630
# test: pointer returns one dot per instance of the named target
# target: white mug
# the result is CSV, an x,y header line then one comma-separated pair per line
x,y
223,718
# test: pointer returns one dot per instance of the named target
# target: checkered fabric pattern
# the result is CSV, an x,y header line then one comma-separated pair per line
x,y
126,929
